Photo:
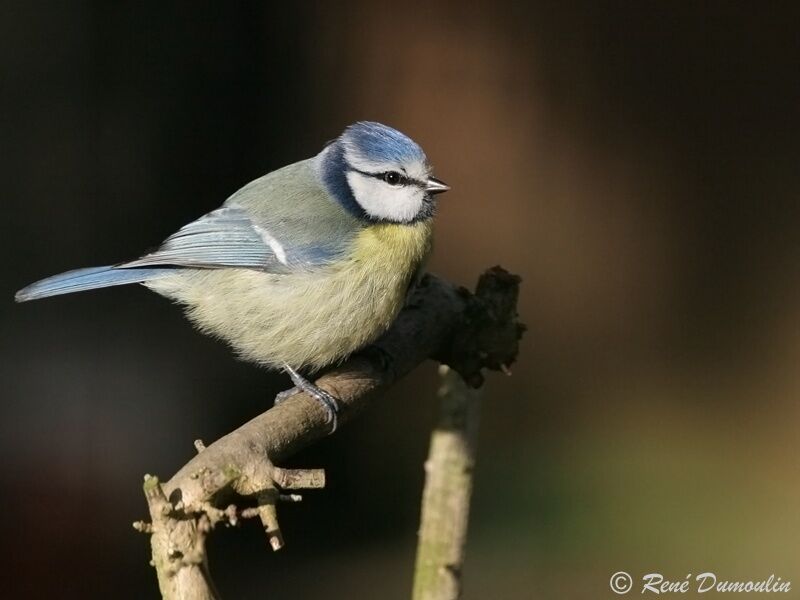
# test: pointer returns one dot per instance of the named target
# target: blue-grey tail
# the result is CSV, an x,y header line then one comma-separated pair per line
x,y
86,279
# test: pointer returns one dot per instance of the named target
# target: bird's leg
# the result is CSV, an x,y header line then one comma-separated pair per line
x,y
301,384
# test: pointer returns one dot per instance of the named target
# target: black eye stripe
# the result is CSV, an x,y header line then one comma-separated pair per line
x,y
404,179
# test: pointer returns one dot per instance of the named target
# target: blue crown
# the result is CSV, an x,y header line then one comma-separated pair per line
x,y
381,143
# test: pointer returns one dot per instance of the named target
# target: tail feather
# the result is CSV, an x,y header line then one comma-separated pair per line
x,y
85,279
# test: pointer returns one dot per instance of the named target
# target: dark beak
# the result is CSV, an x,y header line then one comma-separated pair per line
x,y
436,186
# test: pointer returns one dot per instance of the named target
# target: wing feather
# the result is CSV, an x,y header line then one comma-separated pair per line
x,y
227,237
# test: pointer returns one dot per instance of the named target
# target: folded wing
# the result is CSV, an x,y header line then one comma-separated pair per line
x,y
227,237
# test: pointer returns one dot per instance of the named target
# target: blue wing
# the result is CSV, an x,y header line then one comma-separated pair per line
x,y
227,237
223,238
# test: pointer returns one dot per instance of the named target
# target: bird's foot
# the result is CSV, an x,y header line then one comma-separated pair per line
x,y
301,384
286,394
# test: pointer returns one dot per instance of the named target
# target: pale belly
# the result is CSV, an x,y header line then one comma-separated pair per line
x,y
304,319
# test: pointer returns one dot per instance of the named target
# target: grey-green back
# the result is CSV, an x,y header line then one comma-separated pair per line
x,y
279,223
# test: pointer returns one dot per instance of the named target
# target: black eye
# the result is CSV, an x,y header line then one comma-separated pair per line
x,y
392,177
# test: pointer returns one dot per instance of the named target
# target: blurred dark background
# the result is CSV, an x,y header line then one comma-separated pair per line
x,y
635,162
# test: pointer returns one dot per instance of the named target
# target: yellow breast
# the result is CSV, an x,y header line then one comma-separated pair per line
x,y
402,247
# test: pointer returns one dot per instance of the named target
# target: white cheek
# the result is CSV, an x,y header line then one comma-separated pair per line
x,y
383,201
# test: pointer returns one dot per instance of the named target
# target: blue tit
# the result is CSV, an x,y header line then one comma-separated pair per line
x,y
301,267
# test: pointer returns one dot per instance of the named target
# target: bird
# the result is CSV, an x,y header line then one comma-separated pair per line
x,y
302,267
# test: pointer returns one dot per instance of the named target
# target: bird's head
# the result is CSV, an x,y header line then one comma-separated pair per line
x,y
380,174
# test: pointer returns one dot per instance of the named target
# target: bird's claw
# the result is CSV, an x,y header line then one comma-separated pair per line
x,y
286,394
327,400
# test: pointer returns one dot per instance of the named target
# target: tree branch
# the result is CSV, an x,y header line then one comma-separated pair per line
x,y
441,321
446,496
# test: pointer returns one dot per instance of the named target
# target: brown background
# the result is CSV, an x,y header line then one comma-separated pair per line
x,y
635,162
